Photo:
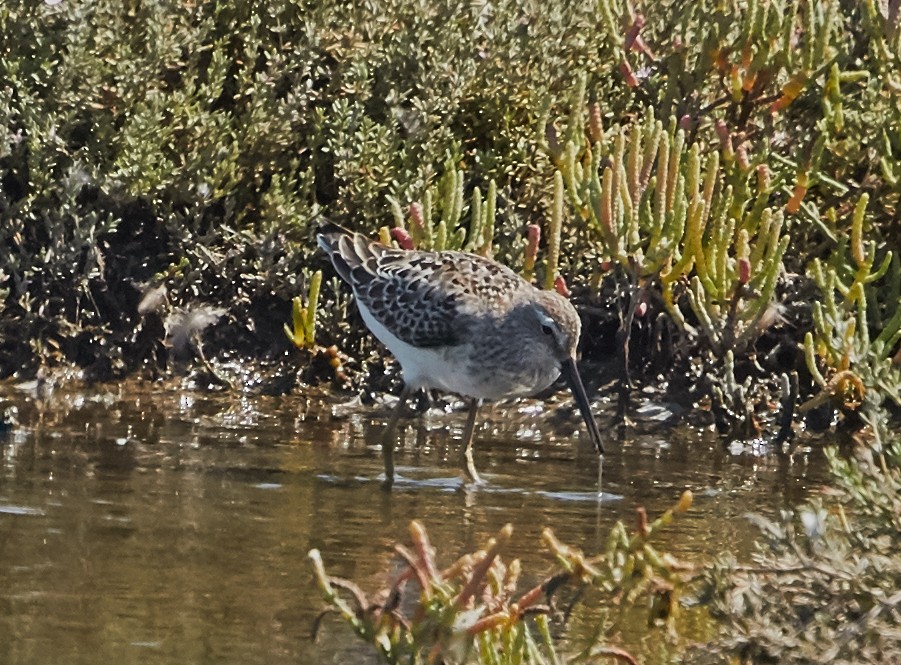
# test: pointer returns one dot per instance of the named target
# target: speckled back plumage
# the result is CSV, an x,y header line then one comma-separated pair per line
x,y
427,299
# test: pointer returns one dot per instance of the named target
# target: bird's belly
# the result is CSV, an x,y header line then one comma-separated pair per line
x,y
456,369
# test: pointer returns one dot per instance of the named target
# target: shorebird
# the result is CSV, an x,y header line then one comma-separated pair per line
x,y
459,323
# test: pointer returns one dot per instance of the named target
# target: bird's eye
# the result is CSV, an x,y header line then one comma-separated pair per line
x,y
547,330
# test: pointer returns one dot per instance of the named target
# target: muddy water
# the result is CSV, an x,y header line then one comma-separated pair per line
x,y
149,525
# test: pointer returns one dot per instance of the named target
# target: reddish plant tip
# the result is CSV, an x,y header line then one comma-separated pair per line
x,y
633,32
722,130
763,178
531,597
721,57
744,271
794,203
595,122
641,309
633,40
686,122
402,237
800,190
550,134
626,70
561,288
685,502
485,623
416,215
790,92
642,516
741,157
533,232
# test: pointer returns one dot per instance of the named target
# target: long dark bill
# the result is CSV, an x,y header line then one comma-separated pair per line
x,y
571,373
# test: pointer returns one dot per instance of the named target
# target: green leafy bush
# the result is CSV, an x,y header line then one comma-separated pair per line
x,y
190,145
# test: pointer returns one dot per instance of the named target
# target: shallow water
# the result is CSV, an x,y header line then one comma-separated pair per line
x,y
141,524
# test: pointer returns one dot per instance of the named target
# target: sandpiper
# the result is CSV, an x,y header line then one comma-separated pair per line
x,y
459,323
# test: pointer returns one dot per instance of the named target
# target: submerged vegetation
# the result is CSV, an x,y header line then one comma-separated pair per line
x,y
475,611
716,184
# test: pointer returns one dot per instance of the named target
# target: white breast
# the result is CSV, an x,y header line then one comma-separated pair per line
x,y
450,368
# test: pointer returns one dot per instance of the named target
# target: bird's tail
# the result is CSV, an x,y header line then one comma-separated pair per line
x,y
328,233
352,254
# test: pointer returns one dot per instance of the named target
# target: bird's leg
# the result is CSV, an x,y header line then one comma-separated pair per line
x,y
469,466
388,437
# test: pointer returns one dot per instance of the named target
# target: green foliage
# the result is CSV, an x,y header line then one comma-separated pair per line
x,y
414,83
473,611
302,331
857,298
707,212
746,56
665,219
449,233
879,26
737,269
139,137
554,230
824,584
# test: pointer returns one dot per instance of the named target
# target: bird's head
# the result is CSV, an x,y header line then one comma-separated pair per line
x,y
560,327
558,323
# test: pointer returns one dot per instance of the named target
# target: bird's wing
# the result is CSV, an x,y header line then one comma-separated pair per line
x,y
426,299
